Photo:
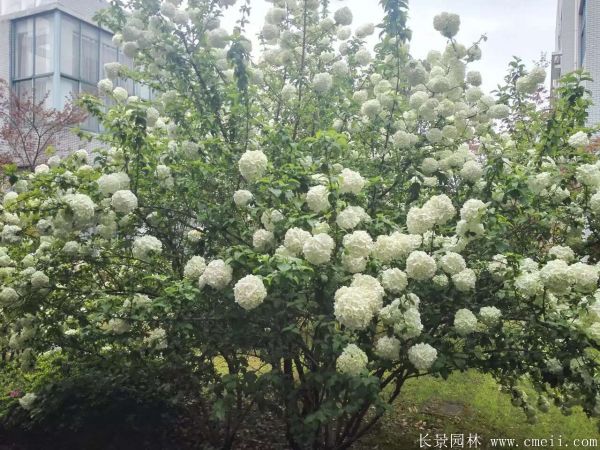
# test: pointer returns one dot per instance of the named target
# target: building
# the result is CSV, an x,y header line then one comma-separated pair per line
x,y
53,48
578,46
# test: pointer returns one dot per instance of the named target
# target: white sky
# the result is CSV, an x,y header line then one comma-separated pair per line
x,y
523,28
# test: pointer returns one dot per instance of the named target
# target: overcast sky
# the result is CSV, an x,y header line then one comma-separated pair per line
x,y
523,28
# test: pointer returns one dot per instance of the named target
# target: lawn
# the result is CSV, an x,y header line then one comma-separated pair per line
x,y
470,403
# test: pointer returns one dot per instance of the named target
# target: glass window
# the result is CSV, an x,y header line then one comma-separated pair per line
x,y
23,89
108,52
89,53
69,46
24,48
44,44
42,87
91,123
69,89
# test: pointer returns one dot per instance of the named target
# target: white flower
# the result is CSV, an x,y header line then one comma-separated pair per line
x,y
402,139
388,348
39,280
472,210
352,307
242,197
145,247
585,277
394,280
322,82
124,201
474,78
420,266
270,218
10,234
562,252
105,86
595,203
294,240
156,338
360,96
464,280
113,182
465,322
82,206
528,265
217,275
579,139
528,284
490,315
120,94
440,280
263,240
351,217
194,268
343,16
117,326
365,30
422,356
217,38
556,276
353,361
354,264
420,220
371,108
317,249
471,171
253,165
317,198
588,174
429,166
452,263
409,325
194,236
351,182
447,24
8,296
321,227
249,292
499,111
112,70
275,16
498,267
441,208
374,292
358,244
27,401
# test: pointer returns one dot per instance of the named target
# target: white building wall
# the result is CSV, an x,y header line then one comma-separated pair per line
x,y
591,61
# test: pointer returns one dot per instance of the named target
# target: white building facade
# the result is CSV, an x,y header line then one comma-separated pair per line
x,y
578,46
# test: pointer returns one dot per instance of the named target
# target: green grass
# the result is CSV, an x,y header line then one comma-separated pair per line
x,y
481,408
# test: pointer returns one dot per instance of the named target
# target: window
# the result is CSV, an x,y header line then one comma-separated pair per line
x,y
44,48
23,49
89,53
69,46
582,33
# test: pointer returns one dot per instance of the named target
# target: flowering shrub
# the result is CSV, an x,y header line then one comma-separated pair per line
x,y
304,233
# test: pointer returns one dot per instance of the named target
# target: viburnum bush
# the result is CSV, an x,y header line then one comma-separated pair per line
x,y
300,233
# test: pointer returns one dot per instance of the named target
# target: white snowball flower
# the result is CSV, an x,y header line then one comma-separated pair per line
x,y
490,315
253,165
353,361
194,268
556,276
322,82
465,280
579,139
217,38
452,263
441,208
263,240
156,338
39,280
351,217
365,30
317,249
217,275
394,280
420,266
420,220
498,267
343,16
585,277
354,264
120,94
409,325
249,292
562,252
321,227
374,292
465,322
471,171
82,206
351,182
363,56
112,69
589,175
360,96
124,201
145,247
242,198
447,24
8,296
595,203
294,240
388,348
317,198
358,243
440,280
27,401
113,182
352,308
472,210
422,356
499,111
528,284
371,108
